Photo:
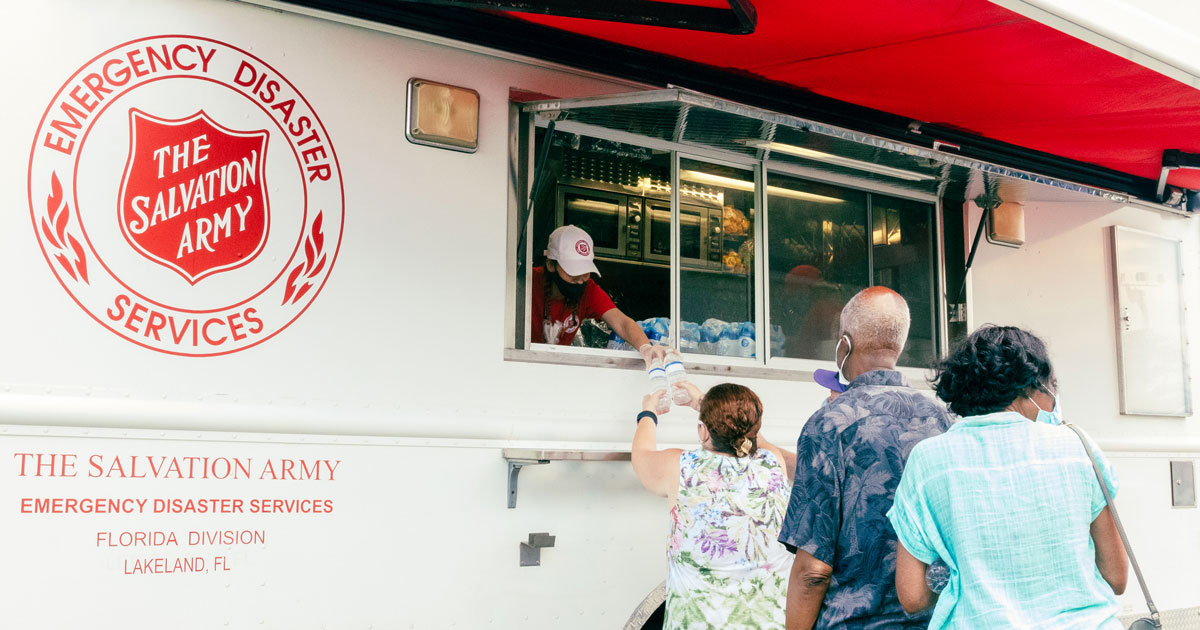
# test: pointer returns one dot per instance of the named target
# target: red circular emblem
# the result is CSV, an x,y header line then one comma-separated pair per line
x,y
148,190
581,248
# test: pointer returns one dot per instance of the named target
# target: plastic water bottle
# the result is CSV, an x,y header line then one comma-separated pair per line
x,y
676,376
658,381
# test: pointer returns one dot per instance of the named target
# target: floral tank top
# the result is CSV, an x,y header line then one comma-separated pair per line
x,y
725,567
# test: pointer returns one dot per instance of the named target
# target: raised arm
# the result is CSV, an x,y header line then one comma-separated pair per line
x,y
657,470
787,458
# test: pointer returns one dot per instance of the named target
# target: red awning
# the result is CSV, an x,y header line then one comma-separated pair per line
x,y
967,64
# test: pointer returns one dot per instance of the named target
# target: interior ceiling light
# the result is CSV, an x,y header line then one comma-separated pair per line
x,y
741,184
838,160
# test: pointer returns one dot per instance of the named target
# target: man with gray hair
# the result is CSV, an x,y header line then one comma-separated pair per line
x,y
849,459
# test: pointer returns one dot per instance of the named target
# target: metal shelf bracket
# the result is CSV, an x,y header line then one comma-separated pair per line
x,y
518,458
514,469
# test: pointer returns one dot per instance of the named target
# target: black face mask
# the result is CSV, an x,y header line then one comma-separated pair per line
x,y
569,290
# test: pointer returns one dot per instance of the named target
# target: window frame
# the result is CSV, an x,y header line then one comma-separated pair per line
x,y
522,148
677,269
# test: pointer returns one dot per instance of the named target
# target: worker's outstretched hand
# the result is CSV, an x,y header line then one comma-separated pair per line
x,y
650,352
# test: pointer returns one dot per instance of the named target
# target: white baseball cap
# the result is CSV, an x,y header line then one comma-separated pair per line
x,y
571,248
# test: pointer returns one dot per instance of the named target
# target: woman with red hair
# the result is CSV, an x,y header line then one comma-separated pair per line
x,y
725,565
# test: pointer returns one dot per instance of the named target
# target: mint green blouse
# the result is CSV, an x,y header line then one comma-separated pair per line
x,y
1007,504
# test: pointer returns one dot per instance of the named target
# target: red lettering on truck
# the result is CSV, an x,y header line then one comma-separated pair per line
x,y
192,196
214,331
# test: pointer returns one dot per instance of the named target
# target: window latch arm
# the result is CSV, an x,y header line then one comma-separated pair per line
x,y
539,181
987,203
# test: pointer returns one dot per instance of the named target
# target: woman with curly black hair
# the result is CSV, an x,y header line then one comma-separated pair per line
x,y
1008,500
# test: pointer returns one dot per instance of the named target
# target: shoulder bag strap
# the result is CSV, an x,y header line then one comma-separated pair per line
x,y
1112,508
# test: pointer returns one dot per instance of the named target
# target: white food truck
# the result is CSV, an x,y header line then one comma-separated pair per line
x,y
266,353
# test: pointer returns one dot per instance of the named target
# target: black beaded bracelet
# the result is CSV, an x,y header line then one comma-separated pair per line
x,y
648,414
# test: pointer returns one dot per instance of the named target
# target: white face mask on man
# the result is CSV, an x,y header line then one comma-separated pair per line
x,y
849,349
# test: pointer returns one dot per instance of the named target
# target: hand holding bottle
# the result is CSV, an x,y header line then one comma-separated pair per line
x,y
659,388
651,352
694,394
677,376
653,401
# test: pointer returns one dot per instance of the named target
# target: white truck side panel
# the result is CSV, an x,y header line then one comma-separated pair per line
x,y
414,308
1060,286
1165,539
418,537
405,343
406,339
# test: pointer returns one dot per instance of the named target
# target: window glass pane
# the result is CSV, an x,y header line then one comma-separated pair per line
x,y
818,260
902,243
716,255
605,188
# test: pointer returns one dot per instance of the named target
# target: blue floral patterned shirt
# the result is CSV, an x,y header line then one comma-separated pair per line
x,y
849,459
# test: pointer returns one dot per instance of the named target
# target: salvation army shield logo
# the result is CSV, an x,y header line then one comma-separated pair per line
x,y
228,192
193,197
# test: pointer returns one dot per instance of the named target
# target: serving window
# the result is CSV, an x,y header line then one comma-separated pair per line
x,y
732,261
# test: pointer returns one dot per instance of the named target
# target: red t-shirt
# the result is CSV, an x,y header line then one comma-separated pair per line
x,y
560,317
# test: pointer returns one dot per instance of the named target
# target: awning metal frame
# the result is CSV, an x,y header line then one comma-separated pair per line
x,y
1173,159
560,110
739,19
656,128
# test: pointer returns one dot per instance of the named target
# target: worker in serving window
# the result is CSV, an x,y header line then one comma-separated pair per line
x,y
564,295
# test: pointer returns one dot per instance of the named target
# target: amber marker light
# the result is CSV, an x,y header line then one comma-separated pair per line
x,y
1006,224
441,115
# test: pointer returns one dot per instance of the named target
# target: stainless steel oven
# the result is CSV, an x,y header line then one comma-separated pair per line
x,y
633,227
613,220
700,235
